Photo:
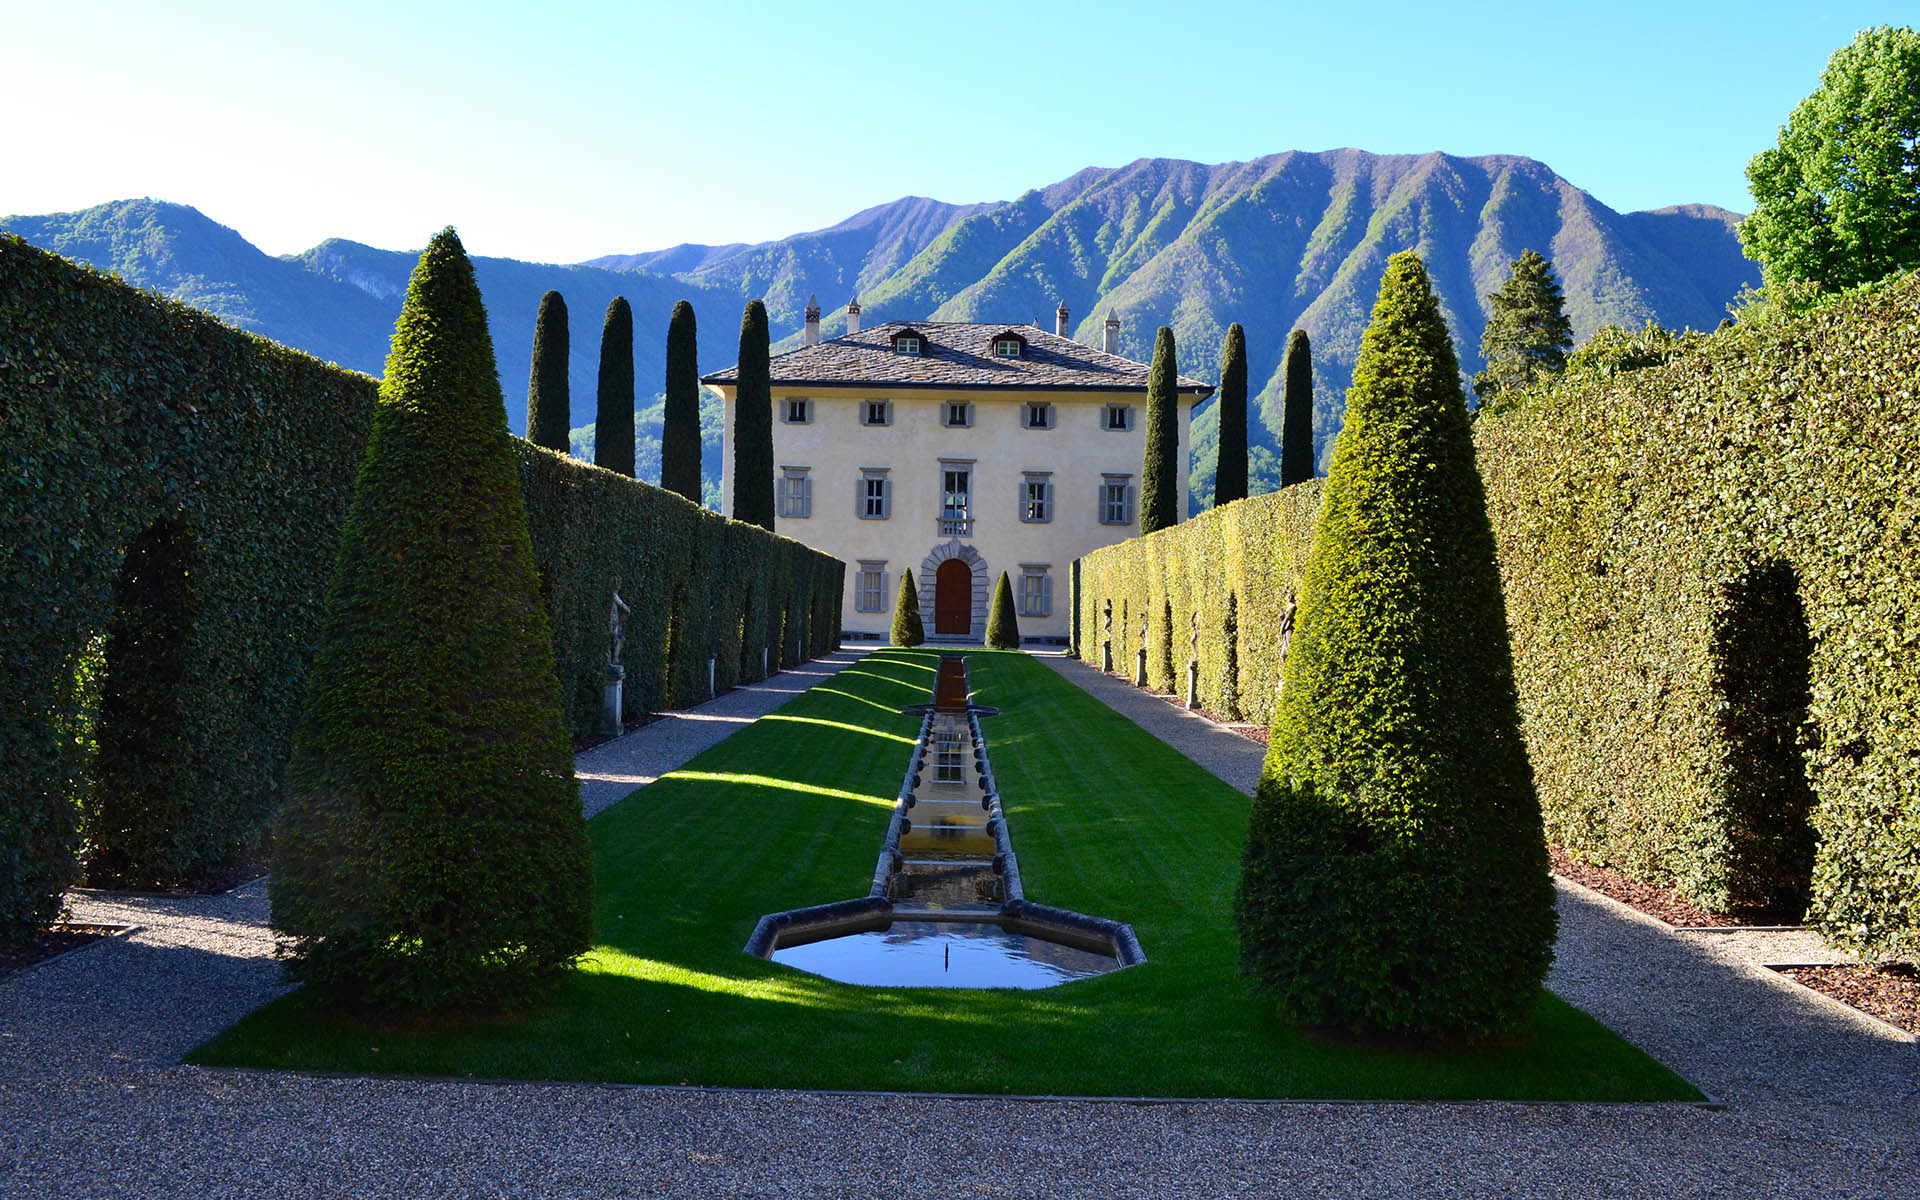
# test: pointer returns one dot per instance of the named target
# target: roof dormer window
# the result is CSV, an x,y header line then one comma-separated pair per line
x,y
908,341
1008,347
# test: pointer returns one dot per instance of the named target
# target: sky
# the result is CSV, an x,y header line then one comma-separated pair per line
x,y
559,131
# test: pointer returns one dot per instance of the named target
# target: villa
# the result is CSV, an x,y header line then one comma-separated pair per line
x,y
959,450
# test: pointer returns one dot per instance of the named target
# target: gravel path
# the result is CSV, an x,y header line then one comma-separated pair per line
x,y
1818,1101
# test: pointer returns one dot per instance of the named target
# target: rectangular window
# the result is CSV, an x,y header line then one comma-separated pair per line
x,y
1119,416
907,345
799,410
1006,348
876,412
1036,591
1039,416
794,492
947,763
1036,497
959,416
870,587
956,493
875,496
1116,500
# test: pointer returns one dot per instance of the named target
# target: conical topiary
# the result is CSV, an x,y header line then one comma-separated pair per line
x,y
548,404
908,628
1159,485
1003,627
613,412
753,423
1395,874
1230,466
1296,429
680,430
432,852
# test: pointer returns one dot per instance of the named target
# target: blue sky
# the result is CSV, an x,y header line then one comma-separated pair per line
x,y
561,131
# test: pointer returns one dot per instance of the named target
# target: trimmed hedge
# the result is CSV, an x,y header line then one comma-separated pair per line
x,y
1003,627
124,418
1661,510
122,413
1251,551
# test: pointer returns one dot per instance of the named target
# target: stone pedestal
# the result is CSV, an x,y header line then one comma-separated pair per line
x,y
1106,657
712,669
1193,683
612,700
1140,669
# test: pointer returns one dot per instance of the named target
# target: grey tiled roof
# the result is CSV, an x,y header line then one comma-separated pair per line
x,y
958,355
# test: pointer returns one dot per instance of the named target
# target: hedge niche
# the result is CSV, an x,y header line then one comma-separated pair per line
x,y
432,853
1709,547
135,426
1395,875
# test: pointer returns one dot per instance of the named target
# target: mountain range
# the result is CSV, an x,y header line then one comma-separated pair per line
x,y
1288,240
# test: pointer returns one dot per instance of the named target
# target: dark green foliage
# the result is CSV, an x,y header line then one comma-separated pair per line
x,y
613,422
1296,439
1167,637
1527,332
548,402
1160,468
1230,670
1003,626
432,852
591,529
908,628
141,776
680,431
120,412
1395,876
1230,471
1659,526
753,423
1837,200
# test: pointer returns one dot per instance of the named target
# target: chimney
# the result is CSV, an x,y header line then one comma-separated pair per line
x,y
1060,320
853,315
813,321
1112,345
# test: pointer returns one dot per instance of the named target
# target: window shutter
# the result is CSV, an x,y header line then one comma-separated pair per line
x,y
1130,509
886,498
781,498
1100,502
1046,498
1046,595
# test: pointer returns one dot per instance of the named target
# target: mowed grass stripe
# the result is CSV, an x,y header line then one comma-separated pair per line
x,y
791,811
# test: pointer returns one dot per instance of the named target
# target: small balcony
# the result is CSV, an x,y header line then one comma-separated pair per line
x,y
956,526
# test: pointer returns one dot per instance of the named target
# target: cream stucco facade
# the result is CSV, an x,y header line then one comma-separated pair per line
x,y
868,474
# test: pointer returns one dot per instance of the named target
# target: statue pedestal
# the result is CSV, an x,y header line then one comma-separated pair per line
x,y
612,698
1140,669
1193,683
1106,657
712,666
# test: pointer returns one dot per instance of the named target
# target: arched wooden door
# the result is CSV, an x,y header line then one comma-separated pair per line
x,y
953,598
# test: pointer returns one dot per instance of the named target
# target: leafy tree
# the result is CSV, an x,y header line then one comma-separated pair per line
x,y
1159,482
1003,628
680,430
549,408
753,423
908,629
432,853
1837,200
1395,875
1230,470
1527,332
613,423
1296,429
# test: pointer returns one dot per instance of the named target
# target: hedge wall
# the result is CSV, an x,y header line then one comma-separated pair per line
x,y
1253,549
162,471
125,418
1707,547
1710,577
698,585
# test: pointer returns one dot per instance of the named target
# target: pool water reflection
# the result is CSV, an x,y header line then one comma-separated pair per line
x,y
945,954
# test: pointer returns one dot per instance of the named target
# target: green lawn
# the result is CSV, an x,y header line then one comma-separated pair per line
x,y
790,812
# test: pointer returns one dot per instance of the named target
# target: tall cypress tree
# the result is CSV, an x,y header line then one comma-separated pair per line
x,y
680,435
1159,481
613,415
1230,470
432,852
1395,872
1528,333
1296,429
549,408
753,423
